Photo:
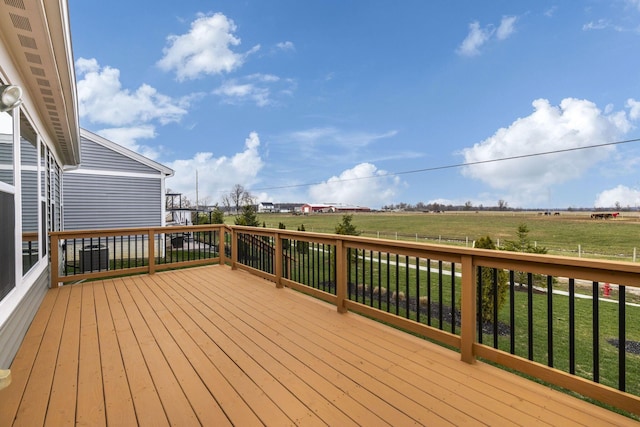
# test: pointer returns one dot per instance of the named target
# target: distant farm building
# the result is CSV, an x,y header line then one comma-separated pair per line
x,y
266,207
315,208
325,208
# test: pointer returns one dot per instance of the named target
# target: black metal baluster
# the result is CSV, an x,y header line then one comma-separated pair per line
x,y
371,281
530,314
512,312
388,283
406,286
453,297
495,308
596,331
440,291
418,289
479,304
572,326
550,321
325,267
429,292
622,338
397,301
379,280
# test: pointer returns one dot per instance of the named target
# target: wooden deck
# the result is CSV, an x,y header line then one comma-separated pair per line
x,y
213,346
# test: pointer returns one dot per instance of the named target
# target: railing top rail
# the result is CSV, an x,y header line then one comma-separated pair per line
x,y
136,230
384,244
480,255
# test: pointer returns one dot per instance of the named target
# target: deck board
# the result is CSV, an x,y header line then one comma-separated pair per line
x,y
63,402
215,346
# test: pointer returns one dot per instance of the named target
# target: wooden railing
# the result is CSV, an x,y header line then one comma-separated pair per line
x,y
552,322
93,254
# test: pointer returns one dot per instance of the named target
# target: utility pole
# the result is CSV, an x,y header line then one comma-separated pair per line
x,y
196,193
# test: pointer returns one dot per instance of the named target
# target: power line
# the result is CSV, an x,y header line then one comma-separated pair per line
x,y
453,166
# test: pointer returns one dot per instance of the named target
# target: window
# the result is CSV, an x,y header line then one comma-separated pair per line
x,y
7,207
30,203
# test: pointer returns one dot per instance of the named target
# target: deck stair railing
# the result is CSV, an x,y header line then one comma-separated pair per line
x,y
571,322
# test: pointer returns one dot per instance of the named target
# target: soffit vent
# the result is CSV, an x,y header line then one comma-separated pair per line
x,y
33,58
20,22
15,3
28,42
37,71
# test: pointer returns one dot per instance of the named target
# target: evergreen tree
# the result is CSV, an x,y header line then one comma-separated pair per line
x,y
217,216
523,244
346,227
301,245
285,242
489,288
248,217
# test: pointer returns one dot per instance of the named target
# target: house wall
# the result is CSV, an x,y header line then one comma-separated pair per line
x,y
99,158
111,190
14,328
35,54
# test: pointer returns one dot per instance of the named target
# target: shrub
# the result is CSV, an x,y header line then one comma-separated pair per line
x,y
523,244
301,245
489,287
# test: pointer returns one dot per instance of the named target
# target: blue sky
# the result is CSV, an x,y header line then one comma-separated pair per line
x,y
370,102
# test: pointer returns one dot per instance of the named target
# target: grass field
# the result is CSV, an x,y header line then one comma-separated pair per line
x,y
570,234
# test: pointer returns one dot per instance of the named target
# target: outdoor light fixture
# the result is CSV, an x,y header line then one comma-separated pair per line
x,y
10,97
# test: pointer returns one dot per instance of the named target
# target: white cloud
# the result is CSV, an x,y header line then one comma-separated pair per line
x,y
102,99
286,46
217,175
600,24
476,38
362,185
205,49
622,195
506,27
129,115
574,123
255,88
479,36
634,4
634,108
331,136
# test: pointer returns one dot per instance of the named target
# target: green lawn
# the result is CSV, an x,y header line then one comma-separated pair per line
x,y
564,234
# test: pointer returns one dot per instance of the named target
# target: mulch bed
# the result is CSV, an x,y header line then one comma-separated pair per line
x,y
630,346
449,316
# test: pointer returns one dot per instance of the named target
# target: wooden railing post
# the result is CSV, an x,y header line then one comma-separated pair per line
x,y
341,275
278,259
468,308
222,235
152,251
55,261
234,249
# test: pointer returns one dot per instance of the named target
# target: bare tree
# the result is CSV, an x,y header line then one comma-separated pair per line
x,y
236,198
502,205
